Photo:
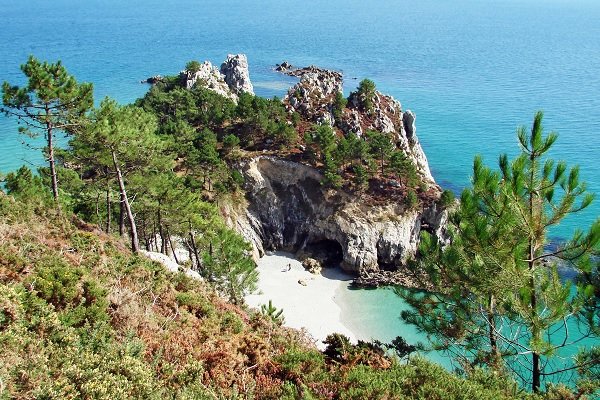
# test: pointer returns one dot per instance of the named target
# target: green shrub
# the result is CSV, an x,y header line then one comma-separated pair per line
x,y
55,281
411,199
447,198
195,304
231,322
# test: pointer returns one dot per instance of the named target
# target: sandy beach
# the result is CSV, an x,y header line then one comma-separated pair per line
x,y
313,306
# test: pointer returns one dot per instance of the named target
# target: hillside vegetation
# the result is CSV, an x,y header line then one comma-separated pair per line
x,y
81,317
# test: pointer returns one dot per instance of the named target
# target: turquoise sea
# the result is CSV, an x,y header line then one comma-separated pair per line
x,y
471,70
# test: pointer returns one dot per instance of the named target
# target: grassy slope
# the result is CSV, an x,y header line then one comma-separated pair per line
x,y
81,317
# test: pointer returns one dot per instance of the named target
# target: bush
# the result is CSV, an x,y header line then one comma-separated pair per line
x,y
55,282
195,304
447,198
411,199
230,142
193,66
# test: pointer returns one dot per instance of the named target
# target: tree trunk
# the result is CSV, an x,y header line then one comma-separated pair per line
x,y
194,247
108,208
172,248
135,245
492,332
122,216
50,138
535,332
161,232
154,236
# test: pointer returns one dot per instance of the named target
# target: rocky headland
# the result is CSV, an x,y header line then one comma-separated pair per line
x,y
314,98
370,234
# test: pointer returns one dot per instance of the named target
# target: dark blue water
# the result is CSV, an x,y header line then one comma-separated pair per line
x,y
472,70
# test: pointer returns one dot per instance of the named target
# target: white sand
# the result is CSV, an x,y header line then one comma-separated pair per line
x,y
312,306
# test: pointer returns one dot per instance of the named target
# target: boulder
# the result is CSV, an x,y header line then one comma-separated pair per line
x,y
311,265
153,79
284,66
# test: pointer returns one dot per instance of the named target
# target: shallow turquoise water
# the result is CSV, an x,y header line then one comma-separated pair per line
x,y
472,70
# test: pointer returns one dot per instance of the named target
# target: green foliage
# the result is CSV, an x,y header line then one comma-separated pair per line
x,y
500,272
51,102
366,93
272,313
193,66
361,176
24,184
227,264
447,198
404,168
380,147
339,103
195,303
230,142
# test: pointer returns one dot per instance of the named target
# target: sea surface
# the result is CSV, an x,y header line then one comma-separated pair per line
x,y
471,70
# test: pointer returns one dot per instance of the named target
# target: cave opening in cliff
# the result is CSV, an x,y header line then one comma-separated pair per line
x,y
330,252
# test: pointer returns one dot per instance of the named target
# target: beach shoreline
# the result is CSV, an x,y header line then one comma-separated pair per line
x,y
309,301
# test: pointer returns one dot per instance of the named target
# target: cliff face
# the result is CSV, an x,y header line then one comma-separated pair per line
x,y
287,208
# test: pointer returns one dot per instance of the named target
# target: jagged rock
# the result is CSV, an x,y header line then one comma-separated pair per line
x,y
153,79
237,75
313,96
288,209
311,265
232,79
401,277
284,66
210,77
408,141
408,122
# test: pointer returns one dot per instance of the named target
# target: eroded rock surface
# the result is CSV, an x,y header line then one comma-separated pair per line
x,y
314,95
236,73
288,209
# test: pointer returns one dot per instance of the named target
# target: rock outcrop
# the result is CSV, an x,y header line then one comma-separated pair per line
x,y
230,80
314,96
288,209
236,73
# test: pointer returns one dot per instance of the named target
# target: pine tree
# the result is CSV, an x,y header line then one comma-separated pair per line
x,y
228,266
51,102
381,147
497,298
122,141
